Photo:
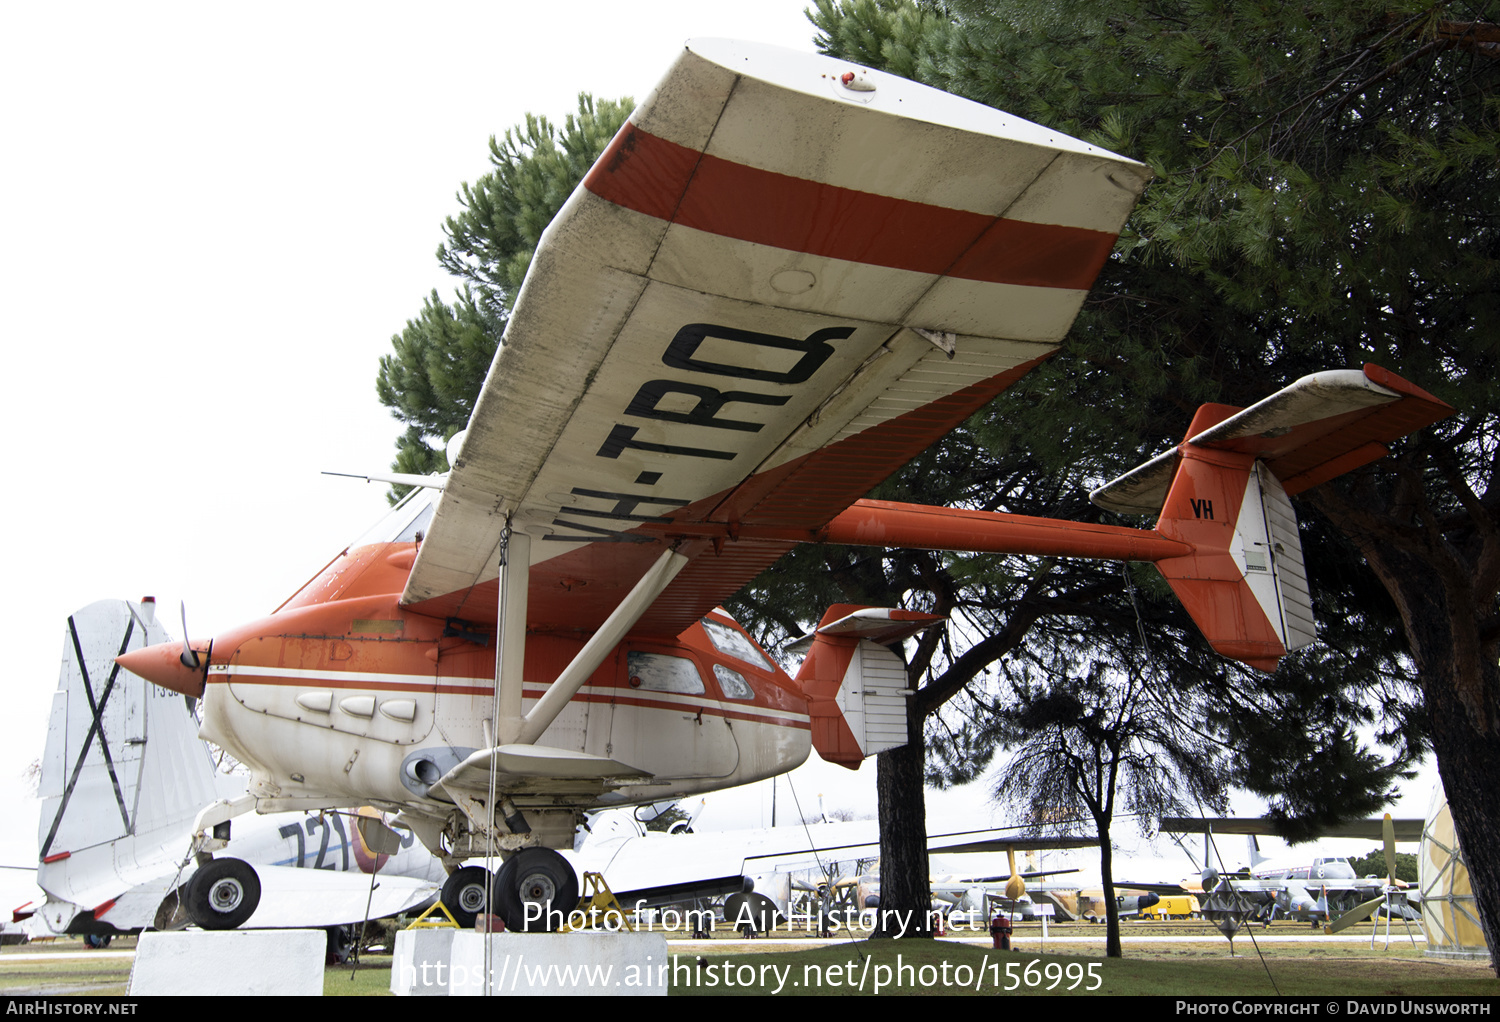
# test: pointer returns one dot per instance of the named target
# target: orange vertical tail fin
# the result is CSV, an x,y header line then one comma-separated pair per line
x,y
1224,491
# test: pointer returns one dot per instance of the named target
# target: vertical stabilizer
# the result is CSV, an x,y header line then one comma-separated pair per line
x,y
1224,489
1244,585
123,774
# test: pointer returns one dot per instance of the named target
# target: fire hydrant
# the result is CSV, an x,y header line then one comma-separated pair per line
x,y
1000,932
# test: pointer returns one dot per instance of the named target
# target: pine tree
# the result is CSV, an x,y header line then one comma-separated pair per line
x,y
432,379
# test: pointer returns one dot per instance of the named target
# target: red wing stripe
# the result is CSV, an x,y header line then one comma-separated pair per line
x,y
671,182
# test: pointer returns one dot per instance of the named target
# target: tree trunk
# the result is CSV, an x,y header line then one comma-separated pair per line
x,y
1443,609
1112,947
905,887
1459,692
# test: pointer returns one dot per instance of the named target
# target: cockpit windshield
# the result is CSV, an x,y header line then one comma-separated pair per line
x,y
403,522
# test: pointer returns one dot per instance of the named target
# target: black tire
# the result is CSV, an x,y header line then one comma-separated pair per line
x,y
540,879
466,893
223,894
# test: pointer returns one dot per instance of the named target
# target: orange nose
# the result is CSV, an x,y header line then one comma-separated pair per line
x,y
162,665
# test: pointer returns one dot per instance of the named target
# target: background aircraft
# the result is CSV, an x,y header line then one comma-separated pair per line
x,y
123,778
1307,886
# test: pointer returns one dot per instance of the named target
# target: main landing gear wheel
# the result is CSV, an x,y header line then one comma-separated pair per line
x,y
535,890
466,893
223,894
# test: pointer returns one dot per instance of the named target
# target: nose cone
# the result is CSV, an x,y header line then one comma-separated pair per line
x,y
162,665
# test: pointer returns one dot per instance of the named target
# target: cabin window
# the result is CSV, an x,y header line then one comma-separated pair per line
x,y
732,642
401,523
657,672
416,525
732,683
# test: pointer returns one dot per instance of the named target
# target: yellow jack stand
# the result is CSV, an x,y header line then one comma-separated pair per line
x,y
423,923
599,904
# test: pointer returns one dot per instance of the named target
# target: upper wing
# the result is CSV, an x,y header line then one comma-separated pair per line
x,y
784,278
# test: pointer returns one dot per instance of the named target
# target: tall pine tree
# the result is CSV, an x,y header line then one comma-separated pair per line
x,y
432,378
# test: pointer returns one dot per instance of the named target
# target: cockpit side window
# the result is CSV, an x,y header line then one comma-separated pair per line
x,y
732,683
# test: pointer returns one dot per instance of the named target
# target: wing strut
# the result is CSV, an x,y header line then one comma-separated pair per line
x,y
510,628
614,628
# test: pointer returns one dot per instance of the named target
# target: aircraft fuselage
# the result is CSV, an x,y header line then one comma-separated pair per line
x,y
343,697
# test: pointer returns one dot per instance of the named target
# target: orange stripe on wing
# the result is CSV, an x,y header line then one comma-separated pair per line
x,y
671,182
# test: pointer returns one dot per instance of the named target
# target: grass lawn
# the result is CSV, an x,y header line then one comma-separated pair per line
x,y
1304,967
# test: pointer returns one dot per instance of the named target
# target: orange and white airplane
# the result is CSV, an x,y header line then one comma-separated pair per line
x,y
786,277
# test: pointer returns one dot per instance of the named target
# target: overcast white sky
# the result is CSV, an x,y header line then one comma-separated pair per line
x,y
213,218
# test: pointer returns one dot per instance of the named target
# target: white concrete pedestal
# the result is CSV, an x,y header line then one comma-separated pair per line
x,y
455,962
230,962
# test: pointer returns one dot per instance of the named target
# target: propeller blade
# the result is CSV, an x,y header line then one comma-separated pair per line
x,y
1015,886
1358,914
1209,878
1388,831
189,657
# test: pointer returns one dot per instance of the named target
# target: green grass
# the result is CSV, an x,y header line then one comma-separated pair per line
x,y
67,977
925,968
372,978
838,970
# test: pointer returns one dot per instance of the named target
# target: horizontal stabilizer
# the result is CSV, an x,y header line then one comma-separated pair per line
x,y
1319,427
884,625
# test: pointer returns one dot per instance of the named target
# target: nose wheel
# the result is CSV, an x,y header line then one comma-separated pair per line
x,y
535,890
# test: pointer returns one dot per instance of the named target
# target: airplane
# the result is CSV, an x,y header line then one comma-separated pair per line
x,y
981,899
786,276
123,776
1317,889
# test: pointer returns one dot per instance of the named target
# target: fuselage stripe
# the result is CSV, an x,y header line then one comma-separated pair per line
x,y
421,685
